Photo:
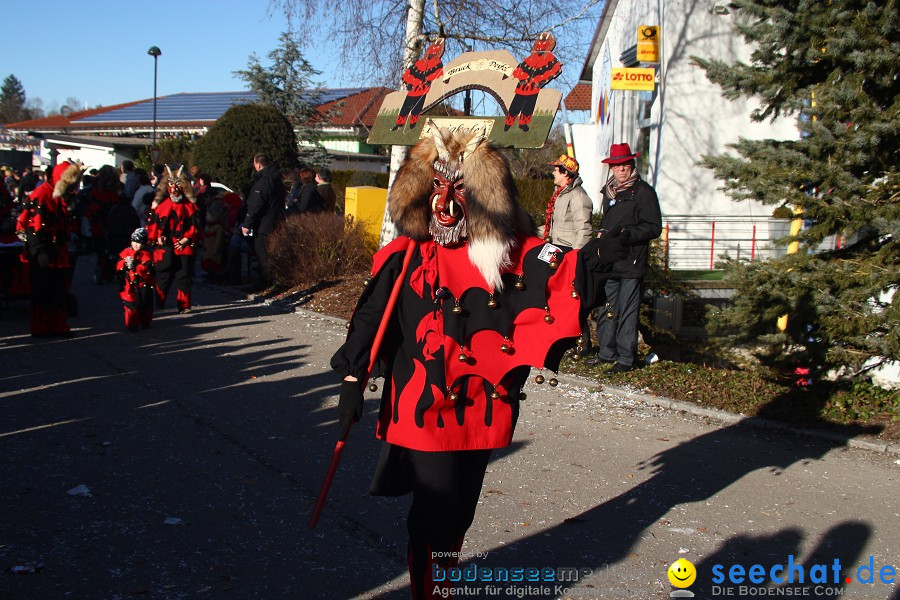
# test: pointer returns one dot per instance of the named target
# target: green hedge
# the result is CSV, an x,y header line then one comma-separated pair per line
x,y
533,193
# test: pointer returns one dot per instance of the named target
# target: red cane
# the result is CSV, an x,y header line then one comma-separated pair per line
x,y
373,356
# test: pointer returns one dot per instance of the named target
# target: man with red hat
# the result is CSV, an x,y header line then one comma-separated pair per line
x,y
631,208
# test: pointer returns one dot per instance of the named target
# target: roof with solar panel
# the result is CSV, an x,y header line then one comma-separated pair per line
x,y
347,106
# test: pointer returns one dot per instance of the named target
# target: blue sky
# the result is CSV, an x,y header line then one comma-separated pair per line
x,y
97,52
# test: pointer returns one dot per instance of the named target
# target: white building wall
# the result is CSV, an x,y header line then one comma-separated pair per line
x,y
584,141
92,158
689,118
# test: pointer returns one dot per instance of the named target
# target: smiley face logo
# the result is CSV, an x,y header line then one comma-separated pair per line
x,y
682,573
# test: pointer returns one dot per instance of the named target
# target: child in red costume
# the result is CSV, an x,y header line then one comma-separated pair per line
x,y
138,281
174,225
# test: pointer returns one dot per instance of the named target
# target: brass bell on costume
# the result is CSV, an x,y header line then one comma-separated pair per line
x,y
574,294
548,318
520,284
373,387
495,395
554,264
453,397
580,342
522,396
610,314
463,357
492,303
553,382
539,379
457,309
504,348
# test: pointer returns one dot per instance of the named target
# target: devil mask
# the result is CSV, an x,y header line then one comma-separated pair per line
x,y
455,188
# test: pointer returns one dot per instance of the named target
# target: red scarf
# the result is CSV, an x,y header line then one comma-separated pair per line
x,y
548,216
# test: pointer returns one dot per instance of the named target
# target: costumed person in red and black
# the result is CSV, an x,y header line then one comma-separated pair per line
x,y
46,223
104,194
533,73
418,80
481,301
174,225
138,280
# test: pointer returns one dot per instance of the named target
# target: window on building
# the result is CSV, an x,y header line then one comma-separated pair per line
x,y
643,145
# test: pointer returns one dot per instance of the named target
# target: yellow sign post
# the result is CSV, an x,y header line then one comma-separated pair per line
x,y
648,43
633,79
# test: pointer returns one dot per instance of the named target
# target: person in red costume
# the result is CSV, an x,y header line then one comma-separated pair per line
x,y
104,194
138,280
174,225
45,224
418,80
482,300
533,73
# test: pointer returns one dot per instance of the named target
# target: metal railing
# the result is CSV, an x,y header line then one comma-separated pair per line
x,y
698,242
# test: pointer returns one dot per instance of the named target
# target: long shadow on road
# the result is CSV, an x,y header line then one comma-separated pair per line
x,y
217,422
200,443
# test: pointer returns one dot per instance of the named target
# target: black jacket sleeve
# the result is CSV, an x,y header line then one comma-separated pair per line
x,y
257,203
310,199
353,357
649,218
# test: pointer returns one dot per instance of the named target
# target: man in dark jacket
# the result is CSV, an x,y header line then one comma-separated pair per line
x,y
265,209
630,206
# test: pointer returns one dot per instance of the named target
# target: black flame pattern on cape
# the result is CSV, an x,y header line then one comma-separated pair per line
x,y
419,357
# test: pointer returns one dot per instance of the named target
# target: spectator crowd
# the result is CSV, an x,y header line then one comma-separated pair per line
x,y
147,232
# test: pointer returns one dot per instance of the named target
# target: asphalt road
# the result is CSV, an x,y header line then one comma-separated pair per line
x,y
201,444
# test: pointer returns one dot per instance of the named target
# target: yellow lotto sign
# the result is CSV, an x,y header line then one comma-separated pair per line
x,y
633,79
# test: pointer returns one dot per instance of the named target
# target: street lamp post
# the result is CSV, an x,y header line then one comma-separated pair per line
x,y
154,153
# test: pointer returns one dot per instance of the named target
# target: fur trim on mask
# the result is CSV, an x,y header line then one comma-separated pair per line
x,y
162,188
492,208
408,202
68,180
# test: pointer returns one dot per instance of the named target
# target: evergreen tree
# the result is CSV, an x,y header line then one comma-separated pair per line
x,y
226,151
12,101
835,66
288,86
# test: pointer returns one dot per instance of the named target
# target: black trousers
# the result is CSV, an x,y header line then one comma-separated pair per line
x,y
262,256
182,272
445,488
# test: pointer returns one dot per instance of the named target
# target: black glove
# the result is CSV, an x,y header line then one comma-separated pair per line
x,y
613,246
350,406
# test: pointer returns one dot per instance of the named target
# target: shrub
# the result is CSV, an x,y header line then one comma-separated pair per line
x,y
361,178
534,194
172,151
226,151
311,248
342,179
